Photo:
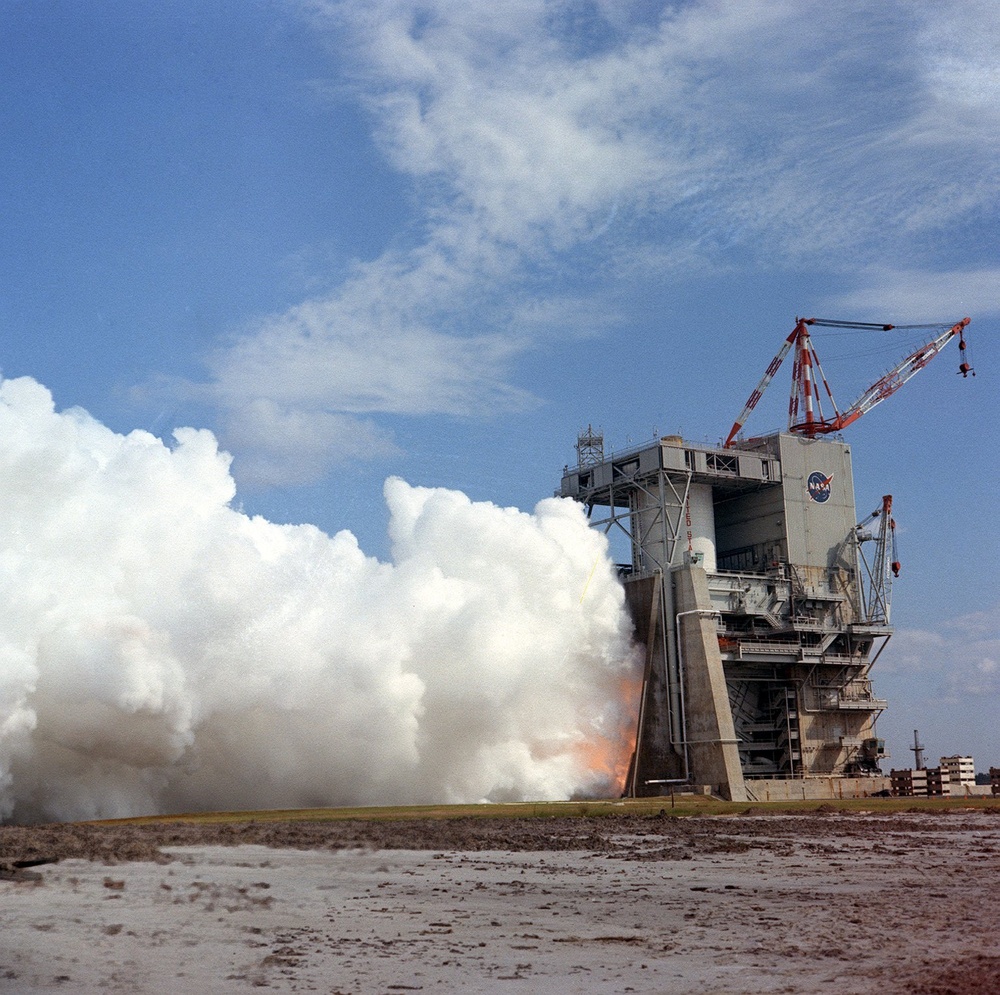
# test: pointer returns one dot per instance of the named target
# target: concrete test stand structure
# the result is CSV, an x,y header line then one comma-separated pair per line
x,y
750,589
745,589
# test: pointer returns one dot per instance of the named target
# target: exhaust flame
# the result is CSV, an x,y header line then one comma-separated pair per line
x,y
608,755
161,651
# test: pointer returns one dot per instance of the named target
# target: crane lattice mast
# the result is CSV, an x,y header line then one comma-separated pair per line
x,y
876,589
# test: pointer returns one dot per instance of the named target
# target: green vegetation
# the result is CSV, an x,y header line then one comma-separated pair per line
x,y
680,805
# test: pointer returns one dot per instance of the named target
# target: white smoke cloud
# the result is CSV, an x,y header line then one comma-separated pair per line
x,y
161,651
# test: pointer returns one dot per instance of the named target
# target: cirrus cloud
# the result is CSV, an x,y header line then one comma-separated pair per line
x,y
549,144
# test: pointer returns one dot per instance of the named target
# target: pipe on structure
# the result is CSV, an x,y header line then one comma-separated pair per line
x,y
705,612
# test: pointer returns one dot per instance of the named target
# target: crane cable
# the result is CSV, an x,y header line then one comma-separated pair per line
x,y
965,364
964,367
830,323
895,564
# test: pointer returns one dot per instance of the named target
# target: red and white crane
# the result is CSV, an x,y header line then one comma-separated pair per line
x,y
805,411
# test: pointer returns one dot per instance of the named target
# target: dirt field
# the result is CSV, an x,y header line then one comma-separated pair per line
x,y
839,903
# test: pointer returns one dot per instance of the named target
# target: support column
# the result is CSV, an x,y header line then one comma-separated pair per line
x,y
709,733
655,762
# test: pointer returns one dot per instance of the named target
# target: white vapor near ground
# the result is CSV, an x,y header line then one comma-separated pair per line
x,y
161,651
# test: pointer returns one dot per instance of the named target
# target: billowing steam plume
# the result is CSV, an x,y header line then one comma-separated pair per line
x,y
160,651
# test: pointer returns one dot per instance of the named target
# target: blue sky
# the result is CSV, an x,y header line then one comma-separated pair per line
x,y
437,239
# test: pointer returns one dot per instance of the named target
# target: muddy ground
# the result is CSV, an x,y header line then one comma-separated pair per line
x,y
820,903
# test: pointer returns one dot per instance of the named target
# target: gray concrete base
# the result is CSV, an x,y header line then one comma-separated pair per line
x,y
711,738
815,788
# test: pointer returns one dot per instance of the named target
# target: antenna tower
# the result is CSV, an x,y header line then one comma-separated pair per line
x,y
590,447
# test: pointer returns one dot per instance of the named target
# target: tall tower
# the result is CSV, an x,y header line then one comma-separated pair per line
x,y
745,589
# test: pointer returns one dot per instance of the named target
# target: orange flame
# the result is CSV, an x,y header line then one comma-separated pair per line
x,y
607,757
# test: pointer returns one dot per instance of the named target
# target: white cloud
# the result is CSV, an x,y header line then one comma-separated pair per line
x,y
958,46
295,445
902,295
295,392
371,355
804,133
961,656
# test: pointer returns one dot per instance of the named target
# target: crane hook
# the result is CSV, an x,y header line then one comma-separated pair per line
x,y
964,367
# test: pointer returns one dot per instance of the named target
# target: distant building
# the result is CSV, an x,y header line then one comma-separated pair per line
x,y
995,780
961,772
955,776
908,782
938,784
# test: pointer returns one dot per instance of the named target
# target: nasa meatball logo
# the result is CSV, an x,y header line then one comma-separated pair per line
x,y
818,486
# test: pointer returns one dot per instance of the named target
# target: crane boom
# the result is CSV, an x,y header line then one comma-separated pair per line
x,y
805,415
762,386
888,384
